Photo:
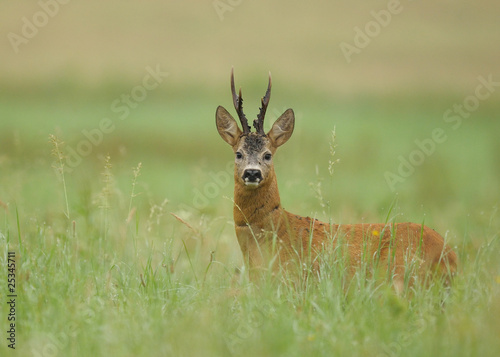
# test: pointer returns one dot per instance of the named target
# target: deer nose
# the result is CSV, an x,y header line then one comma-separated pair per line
x,y
252,176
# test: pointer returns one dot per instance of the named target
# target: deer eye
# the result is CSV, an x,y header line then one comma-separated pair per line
x,y
239,155
267,156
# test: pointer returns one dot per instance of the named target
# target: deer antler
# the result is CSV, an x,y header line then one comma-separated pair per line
x,y
259,122
238,105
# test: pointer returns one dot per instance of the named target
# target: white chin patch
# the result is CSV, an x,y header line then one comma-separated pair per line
x,y
251,183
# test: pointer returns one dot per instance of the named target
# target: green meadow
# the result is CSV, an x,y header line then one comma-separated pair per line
x,y
116,189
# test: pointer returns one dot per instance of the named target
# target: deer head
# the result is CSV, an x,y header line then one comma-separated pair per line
x,y
253,151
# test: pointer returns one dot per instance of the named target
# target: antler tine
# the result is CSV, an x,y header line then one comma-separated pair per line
x,y
238,105
259,122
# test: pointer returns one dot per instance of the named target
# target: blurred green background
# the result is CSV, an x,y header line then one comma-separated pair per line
x,y
81,71
63,66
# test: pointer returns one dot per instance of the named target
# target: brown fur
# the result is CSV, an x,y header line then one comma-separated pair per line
x,y
271,237
259,220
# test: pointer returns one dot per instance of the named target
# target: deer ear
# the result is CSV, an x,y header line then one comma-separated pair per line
x,y
282,128
227,127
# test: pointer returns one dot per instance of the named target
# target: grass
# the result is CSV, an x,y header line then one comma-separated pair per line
x,y
144,288
132,252
104,268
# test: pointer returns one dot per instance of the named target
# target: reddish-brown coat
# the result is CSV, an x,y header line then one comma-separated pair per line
x,y
272,238
260,222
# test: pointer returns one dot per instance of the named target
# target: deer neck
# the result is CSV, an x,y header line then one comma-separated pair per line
x,y
256,206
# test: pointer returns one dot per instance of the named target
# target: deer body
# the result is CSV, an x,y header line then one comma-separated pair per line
x,y
271,237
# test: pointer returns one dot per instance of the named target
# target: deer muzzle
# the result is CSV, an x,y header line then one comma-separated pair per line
x,y
252,177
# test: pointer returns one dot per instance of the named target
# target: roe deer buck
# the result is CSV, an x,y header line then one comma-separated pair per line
x,y
269,236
